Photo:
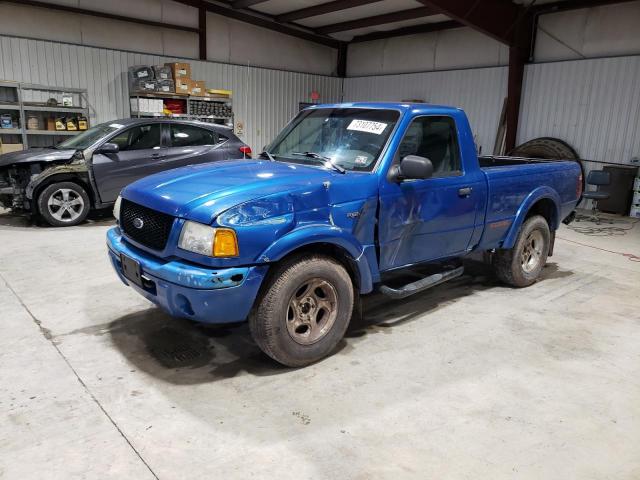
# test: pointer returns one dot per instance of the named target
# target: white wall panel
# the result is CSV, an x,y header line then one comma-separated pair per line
x,y
592,104
228,40
264,100
444,50
480,92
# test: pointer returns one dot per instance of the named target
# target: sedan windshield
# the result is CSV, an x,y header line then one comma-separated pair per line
x,y
351,138
90,137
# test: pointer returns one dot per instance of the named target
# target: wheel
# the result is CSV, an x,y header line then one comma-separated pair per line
x,y
64,204
304,312
521,265
546,147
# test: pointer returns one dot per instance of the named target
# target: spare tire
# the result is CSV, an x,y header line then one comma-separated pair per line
x,y
545,147
549,148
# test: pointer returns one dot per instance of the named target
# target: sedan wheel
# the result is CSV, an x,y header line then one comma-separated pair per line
x,y
65,205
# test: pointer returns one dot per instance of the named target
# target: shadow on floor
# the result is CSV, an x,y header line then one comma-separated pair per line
x,y
25,220
183,352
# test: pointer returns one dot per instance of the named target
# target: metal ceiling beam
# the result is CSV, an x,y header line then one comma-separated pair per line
x,y
93,13
573,5
264,21
377,20
245,3
495,18
322,9
412,30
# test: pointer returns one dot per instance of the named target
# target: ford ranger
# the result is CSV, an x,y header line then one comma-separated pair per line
x,y
343,199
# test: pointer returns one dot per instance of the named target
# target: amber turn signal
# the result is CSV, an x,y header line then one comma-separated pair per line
x,y
225,243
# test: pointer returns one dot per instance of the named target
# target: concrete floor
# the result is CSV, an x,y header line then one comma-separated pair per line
x,y
469,380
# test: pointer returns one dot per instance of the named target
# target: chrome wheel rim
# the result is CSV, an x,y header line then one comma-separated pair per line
x,y
531,256
312,311
65,205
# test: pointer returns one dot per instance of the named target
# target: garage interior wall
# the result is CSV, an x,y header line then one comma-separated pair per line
x,y
569,92
228,41
264,100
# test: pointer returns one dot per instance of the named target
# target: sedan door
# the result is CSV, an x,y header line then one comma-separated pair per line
x,y
190,144
141,154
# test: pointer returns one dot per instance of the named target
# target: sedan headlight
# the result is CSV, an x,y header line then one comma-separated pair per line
x,y
116,208
205,240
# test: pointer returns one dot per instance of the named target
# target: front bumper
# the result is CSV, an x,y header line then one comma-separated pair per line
x,y
189,291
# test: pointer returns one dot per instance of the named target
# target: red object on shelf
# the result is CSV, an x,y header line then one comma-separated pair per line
x,y
246,150
175,106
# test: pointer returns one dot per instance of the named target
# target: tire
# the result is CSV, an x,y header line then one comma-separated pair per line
x,y
521,265
304,311
64,204
547,148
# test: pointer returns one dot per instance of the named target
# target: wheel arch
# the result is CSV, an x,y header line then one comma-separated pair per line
x,y
329,241
38,185
543,201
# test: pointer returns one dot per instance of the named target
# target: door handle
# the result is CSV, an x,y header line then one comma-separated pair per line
x,y
465,192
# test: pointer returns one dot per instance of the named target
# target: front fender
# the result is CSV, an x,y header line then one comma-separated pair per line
x,y
311,234
535,196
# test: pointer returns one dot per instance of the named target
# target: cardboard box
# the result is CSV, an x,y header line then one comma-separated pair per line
x,y
11,147
197,88
183,86
180,70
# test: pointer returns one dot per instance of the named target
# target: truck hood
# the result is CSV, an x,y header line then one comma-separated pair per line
x,y
202,192
35,155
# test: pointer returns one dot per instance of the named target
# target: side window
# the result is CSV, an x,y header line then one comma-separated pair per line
x,y
190,136
434,138
138,138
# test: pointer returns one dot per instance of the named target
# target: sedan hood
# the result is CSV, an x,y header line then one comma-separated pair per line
x,y
35,155
202,192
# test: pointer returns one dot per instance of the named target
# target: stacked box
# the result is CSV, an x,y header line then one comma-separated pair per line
x,y
141,79
180,70
183,86
162,72
197,88
165,86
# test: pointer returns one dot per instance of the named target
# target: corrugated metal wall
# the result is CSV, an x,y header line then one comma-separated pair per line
x,y
594,105
264,100
480,92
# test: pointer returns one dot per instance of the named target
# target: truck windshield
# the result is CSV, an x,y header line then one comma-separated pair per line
x,y
351,138
91,136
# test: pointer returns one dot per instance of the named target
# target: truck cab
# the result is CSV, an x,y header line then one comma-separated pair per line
x,y
344,196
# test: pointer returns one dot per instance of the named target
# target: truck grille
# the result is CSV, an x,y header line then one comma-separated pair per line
x,y
144,225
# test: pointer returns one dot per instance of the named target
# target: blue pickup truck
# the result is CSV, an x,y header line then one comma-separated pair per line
x,y
345,197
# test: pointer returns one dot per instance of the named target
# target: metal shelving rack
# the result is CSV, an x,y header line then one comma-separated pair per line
x,y
19,104
188,115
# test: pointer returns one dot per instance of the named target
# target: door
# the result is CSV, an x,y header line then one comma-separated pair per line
x,y
189,144
424,220
141,153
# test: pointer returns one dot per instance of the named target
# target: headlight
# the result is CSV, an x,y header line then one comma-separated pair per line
x,y
205,240
116,208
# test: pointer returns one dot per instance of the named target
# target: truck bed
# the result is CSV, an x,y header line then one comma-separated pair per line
x,y
489,161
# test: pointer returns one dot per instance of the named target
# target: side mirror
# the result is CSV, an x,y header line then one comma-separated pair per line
x,y
108,148
412,167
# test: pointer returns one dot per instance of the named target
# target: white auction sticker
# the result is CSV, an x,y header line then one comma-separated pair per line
x,y
367,126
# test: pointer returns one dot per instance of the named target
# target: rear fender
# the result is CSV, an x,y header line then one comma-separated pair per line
x,y
322,234
535,196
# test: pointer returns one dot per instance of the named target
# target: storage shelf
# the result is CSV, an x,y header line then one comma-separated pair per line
x,y
53,132
38,108
10,131
9,106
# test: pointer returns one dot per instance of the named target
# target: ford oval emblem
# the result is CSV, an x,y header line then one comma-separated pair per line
x,y
138,223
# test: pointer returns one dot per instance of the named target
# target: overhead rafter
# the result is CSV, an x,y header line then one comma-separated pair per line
x,y
495,18
322,9
264,21
412,30
377,20
245,3
573,5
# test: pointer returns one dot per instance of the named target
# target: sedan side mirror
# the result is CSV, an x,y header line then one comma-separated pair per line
x,y
412,167
108,148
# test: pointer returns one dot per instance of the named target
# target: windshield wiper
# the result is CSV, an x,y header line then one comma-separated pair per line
x,y
325,160
268,155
